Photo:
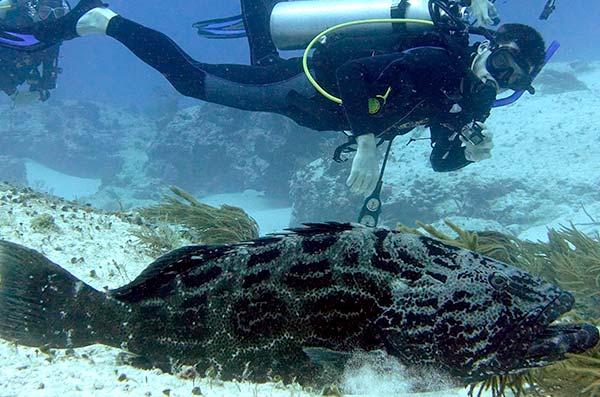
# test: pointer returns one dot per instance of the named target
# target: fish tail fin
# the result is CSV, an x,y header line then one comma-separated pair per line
x,y
41,304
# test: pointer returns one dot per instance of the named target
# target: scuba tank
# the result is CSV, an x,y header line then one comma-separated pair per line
x,y
295,23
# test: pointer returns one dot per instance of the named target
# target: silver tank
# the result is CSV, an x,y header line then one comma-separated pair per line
x,y
295,23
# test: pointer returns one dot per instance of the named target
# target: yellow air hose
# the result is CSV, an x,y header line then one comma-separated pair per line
x,y
340,26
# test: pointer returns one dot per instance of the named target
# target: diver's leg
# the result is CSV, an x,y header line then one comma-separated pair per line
x,y
257,16
256,88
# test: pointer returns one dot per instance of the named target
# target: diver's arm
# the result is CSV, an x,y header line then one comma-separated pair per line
x,y
356,81
448,153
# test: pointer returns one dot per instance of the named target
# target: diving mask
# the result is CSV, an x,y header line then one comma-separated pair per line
x,y
508,70
44,11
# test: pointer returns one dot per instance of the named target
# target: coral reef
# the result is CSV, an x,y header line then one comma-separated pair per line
x,y
557,82
208,149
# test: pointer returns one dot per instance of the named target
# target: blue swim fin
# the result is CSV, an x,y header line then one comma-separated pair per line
x,y
20,41
222,28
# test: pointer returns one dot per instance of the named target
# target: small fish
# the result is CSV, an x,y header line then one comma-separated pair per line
x,y
289,303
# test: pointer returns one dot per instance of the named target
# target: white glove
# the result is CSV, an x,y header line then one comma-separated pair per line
x,y
24,98
478,142
365,166
95,21
483,11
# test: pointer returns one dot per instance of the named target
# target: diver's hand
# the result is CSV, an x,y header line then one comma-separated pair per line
x,y
365,166
478,142
485,12
24,98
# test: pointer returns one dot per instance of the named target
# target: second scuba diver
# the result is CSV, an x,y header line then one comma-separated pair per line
x,y
29,77
387,84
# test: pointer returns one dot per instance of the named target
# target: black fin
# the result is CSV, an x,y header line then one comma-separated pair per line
x,y
221,28
41,304
158,278
310,229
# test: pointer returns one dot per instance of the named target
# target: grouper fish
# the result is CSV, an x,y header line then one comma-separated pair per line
x,y
287,304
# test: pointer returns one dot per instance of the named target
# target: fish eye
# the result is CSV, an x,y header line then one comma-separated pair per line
x,y
498,280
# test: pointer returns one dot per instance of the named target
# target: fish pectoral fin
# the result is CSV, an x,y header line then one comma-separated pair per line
x,y
326,357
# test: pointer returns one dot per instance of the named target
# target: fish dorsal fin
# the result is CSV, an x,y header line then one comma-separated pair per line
x,y
158,278
309,229
159,275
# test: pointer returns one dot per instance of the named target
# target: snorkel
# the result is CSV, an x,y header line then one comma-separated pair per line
x,y
552,48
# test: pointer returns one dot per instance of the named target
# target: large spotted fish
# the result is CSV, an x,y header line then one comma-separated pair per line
x,y
285,304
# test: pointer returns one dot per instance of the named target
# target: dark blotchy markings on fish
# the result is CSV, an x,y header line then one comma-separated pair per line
x,y
267,256
286,304
307,276
316,245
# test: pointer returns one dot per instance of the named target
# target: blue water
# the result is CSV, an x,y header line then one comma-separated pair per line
x,y
99,68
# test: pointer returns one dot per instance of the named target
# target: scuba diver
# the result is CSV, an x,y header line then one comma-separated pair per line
x,y
38,70
387,83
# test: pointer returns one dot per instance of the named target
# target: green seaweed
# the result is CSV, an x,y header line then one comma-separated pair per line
x,y
159,239
44,223
204,223
493,244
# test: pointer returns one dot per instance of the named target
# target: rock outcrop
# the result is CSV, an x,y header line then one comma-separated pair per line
x,y
214,149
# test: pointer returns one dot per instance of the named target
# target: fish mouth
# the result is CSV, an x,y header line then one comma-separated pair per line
x,y
552,341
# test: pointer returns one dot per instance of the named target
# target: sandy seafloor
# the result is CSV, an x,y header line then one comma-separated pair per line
x,y
90,240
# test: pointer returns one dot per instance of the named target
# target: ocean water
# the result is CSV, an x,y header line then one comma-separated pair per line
x,y
115,135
